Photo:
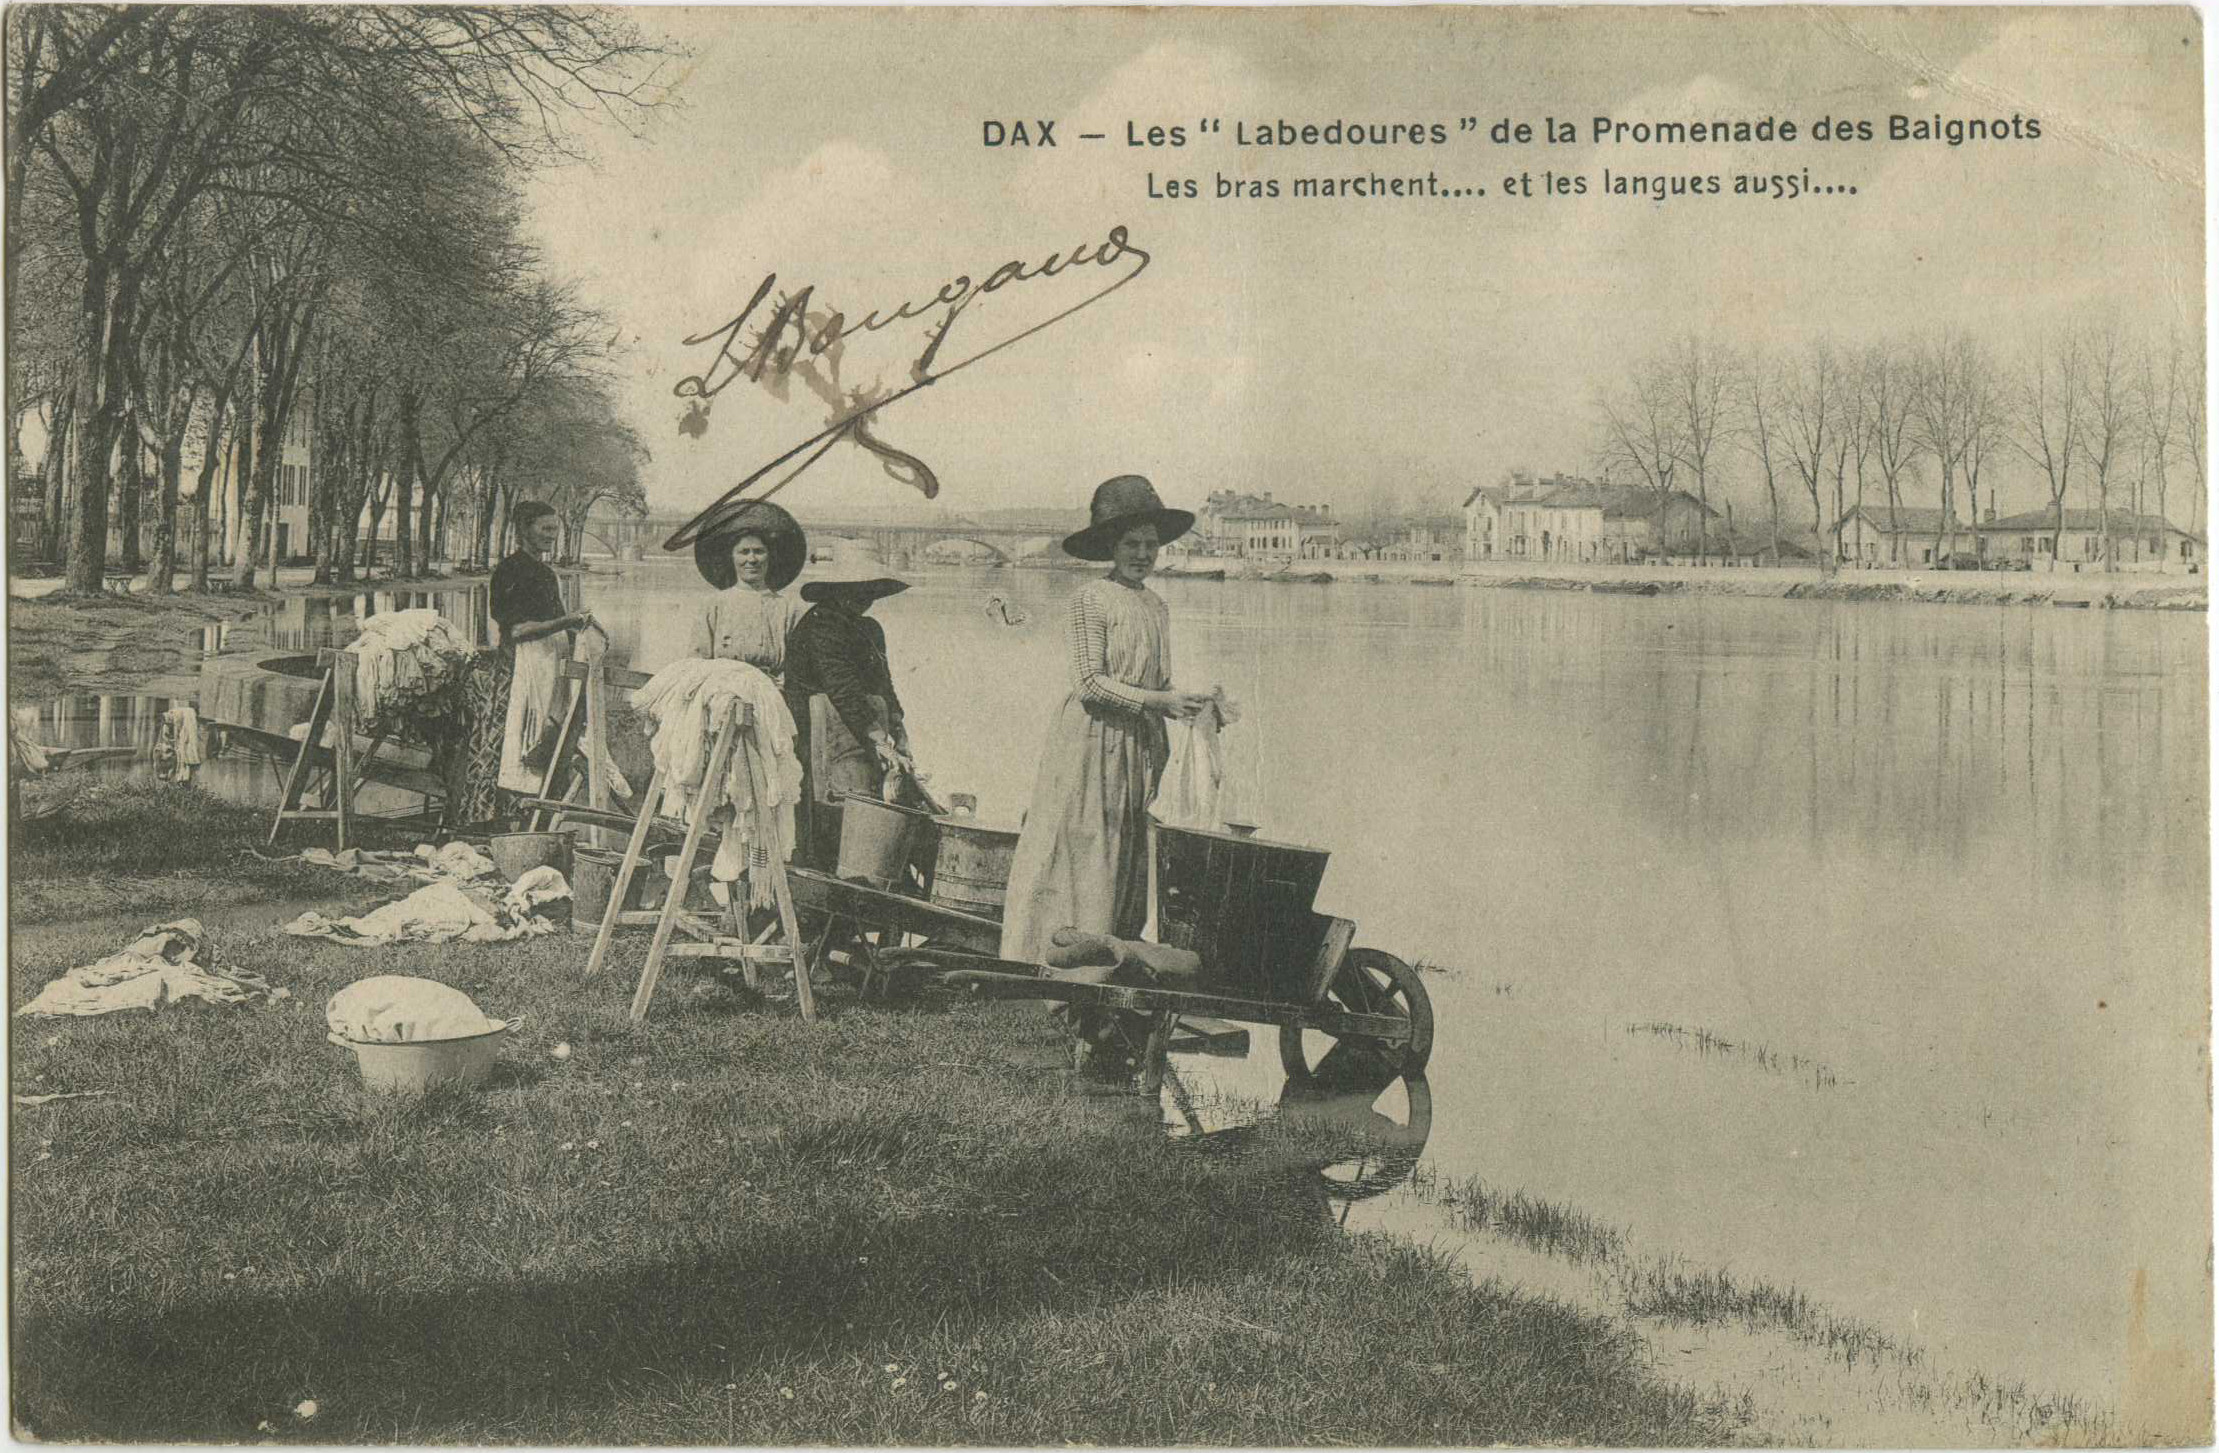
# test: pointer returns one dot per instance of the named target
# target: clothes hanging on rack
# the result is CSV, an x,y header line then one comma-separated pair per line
x,y
404,662
686,700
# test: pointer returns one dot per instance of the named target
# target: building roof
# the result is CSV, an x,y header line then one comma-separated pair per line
x,y
1616,501
1909,519
2123,522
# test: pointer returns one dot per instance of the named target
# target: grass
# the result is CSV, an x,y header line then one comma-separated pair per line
x,y
723,1226
154,849
1666,1291
1818,1075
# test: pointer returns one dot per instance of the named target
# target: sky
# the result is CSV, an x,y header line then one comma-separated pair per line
x,y
1331,349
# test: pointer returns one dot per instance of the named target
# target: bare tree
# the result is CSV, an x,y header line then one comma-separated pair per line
x,y
1814,397
2048,421
1760,388
1701,373
1891,411
1641,431
1987,412
2108,411
2158,390
1944,376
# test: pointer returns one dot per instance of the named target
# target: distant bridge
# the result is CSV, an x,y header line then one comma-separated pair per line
x,y
897,545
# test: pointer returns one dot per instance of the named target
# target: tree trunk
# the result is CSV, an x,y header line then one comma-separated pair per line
x,y
247,474
404,486
130,492
211,454
60,436
162,567
481,549
423,529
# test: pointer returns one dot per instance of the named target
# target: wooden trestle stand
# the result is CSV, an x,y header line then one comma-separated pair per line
x,y
735,733
336,710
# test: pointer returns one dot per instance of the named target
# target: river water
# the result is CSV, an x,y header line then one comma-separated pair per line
x,y
1857,947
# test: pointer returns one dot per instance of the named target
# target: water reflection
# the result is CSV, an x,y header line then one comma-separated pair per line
x,y
120,737
313,622
1349,1138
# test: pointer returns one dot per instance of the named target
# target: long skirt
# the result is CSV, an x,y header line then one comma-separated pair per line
x,y
473,751
1082,856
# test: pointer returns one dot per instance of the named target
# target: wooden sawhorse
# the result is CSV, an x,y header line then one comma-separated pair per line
x,y
735,734
337,712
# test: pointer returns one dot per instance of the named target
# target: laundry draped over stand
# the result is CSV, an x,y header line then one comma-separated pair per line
x,y
686,700
408,665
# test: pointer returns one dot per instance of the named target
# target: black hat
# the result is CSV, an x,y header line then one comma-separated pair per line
x,y
1119,505
712,547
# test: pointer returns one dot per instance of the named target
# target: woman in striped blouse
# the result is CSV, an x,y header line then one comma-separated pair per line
x,y
1082,858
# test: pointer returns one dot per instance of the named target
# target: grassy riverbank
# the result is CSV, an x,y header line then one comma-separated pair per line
x,y
723,1226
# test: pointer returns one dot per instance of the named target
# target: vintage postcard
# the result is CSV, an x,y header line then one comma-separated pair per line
x,y
1012,726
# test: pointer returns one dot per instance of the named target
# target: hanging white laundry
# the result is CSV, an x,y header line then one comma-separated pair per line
x,y
685,700
1191,793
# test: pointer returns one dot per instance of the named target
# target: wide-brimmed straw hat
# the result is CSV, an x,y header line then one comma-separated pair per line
x,y
855,569
712,548
1121,504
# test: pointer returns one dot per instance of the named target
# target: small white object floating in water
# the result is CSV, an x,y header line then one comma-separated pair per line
x,y
999,609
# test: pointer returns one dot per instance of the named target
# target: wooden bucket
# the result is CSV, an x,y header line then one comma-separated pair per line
x,y
971,871
1243,904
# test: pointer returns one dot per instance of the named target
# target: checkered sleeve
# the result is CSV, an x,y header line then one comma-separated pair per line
x,y
1087,637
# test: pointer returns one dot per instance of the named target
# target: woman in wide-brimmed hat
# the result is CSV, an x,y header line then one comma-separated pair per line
x,y
849,730
750,552
1082,858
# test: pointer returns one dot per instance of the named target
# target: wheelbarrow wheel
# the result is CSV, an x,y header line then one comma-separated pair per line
x,y
1369,982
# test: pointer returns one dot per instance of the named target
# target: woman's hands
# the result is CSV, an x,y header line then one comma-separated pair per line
x,y
1182,705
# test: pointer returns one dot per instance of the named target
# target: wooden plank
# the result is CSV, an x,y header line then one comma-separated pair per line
x,y
770,832
595,694
623,885
296,780
651,974
566,740
1195,1034
344,722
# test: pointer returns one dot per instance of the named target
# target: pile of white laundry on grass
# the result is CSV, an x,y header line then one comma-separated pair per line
x,y
457,861
160,967
444,911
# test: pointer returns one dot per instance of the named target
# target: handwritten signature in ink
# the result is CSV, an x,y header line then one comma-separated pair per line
x,y
791,334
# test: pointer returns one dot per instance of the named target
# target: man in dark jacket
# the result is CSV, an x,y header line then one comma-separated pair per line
x,y
848,726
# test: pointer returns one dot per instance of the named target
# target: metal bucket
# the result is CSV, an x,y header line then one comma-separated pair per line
x,y
592,880
970,871
516,853
879,842
412,1067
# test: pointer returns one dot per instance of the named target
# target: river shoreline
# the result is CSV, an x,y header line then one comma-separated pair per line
x,y
2119,591
925,1214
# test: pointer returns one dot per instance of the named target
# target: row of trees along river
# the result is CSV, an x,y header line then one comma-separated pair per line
x,y
2097,417
226,223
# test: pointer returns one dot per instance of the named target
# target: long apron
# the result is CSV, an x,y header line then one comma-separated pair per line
x,y
533,694
1082,856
